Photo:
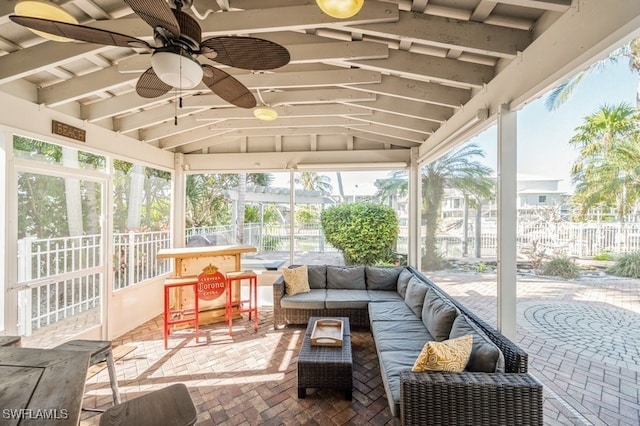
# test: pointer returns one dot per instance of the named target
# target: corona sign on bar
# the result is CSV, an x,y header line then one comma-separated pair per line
x,y
211,283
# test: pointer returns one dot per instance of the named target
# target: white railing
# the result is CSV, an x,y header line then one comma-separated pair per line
x,y
135,257
63,276
556,238
270,237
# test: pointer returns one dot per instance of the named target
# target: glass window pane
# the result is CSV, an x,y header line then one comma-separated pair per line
x,y
141,222
44,152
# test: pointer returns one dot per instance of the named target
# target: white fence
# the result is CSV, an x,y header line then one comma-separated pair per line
x,y
556,238
63,275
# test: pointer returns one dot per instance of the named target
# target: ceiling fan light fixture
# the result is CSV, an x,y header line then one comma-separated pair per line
x,y
176,70
265,113
340,9
45,10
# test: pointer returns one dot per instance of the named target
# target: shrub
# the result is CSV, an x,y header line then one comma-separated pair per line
x,y
365,233
626,266
270,243
604,255
561,267
481,268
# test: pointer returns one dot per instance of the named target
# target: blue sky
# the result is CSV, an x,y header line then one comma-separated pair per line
x,y
543,135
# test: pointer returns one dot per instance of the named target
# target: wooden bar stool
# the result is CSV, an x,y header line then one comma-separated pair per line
x,y
169,406
100,351
231,308
180,316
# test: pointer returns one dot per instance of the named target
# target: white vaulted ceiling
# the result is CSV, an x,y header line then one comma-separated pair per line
x,y
400,74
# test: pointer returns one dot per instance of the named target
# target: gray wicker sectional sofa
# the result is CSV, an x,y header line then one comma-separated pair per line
x,y
403,309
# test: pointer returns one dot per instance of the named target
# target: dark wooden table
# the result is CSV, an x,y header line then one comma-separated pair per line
x,y
10,341
41,386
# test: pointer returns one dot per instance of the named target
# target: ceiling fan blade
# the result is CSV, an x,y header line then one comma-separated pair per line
x,y
149,85
156,13
79,32
227,87
248,53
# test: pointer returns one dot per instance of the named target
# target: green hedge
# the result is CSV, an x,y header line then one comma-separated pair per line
x,y
366,233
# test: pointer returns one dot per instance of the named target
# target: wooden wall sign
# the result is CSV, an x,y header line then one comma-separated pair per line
x,y
69,131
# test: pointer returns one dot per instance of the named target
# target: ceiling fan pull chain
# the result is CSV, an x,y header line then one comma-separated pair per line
x,y
175,107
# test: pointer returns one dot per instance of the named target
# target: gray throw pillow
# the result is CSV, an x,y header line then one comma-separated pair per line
x,y
317,276
438,315
381,278
346,277
414,297
485,357
403,281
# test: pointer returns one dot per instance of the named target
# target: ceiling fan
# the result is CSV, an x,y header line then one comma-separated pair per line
x,y
178,39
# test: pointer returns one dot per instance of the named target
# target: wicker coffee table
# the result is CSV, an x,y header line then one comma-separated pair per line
x,y
325,366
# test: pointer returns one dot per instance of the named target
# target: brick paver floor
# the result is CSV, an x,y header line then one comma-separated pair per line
x,y
247,379
583,340
582,337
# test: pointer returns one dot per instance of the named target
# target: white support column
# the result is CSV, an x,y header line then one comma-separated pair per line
x,y
415,183
4,212
507,221
179,201
292,215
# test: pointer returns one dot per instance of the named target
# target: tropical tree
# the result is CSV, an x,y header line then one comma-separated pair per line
x,y
207,204
564,90
457,169
606,172
312,181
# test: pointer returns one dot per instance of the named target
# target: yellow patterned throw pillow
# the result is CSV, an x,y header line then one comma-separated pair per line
x,y
296,280
450,355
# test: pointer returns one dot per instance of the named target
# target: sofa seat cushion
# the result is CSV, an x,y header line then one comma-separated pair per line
x,y
346,278
349,299
415,329
413,342
392,363
314,299
438,315
382,278
485,357
384,296
391,311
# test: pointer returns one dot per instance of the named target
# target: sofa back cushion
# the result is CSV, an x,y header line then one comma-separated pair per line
x,y
317,276
346,277
414,297
485,357
438,315
381,278
403,281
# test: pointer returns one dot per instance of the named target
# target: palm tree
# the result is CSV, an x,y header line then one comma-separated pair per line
x,y
456,169
564,90
606,171
312,181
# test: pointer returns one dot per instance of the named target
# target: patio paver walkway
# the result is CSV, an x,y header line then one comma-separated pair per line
x,y
582,337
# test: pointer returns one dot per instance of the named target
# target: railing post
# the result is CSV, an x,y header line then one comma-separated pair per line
x,y
131,258
25,313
